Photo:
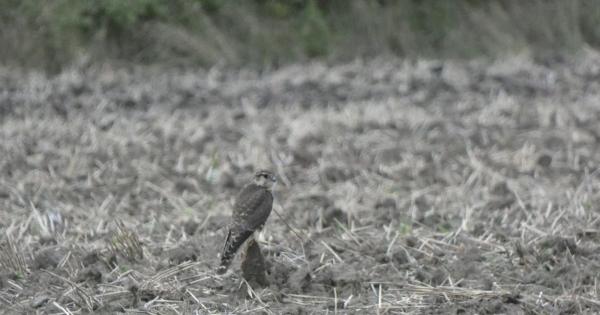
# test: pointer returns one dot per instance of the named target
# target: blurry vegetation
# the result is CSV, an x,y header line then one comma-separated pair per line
x,y
51,34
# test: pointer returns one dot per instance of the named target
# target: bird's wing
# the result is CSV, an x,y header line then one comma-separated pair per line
x,y
263,211
235,239
252,207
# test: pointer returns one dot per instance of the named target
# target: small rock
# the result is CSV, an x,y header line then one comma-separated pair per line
x,y
182,254
90,258
433,277
336,174
39,301
304,157
238,115
48,258
544,160
331,215
299,280
226,180
400,257
389,156
47,240
190,227
345,275
411,241
91,273
387,203
500,189
184,185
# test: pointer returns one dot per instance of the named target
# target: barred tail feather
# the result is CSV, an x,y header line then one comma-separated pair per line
x,y
234,241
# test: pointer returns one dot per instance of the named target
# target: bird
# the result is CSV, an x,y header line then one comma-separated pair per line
x,y
251,210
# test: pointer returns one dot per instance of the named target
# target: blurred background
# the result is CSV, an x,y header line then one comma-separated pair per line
x,y
268,33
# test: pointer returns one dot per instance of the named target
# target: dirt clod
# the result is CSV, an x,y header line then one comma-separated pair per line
x,y
333,214
91,273
253,265
48,258
91,258
299,280
190,227
387,203
544,160
336,174
39,301
182,254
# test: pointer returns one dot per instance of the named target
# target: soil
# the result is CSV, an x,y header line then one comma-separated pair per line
x,y
402,188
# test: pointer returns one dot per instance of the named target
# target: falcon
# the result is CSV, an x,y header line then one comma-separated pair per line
x,y
250,212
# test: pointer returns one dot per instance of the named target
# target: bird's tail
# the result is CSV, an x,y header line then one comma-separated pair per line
x,y
234,241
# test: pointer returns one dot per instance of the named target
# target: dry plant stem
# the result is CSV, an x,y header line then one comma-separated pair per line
x,y
12,258
127,243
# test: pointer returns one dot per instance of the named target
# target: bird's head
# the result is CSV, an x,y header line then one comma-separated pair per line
x,y
265,179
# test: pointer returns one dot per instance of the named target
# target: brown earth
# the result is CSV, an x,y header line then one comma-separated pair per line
x,y
412,186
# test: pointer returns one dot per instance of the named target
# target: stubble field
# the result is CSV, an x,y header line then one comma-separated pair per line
x,y
417,187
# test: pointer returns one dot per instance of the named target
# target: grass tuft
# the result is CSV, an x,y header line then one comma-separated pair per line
x,y
12,258
126,243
